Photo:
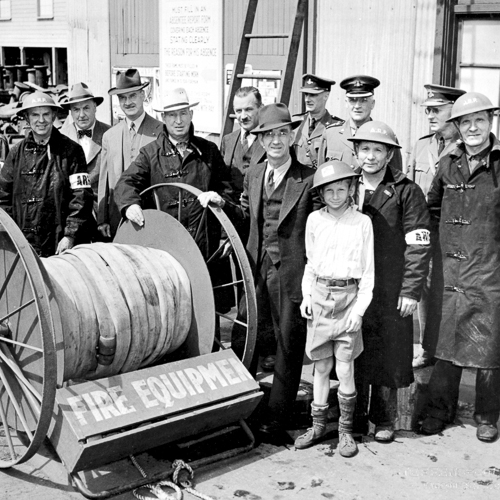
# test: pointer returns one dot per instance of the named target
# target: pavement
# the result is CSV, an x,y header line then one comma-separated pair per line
x,y
451,465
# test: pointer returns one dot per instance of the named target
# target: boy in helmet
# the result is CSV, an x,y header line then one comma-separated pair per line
x,y
337,289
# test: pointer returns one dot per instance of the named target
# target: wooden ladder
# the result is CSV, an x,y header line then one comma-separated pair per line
x,y
288,70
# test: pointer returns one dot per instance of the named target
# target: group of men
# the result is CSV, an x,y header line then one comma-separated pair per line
x,y
73,186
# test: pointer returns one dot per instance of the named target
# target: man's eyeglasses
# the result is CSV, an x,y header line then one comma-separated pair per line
x,y
434,110
271,134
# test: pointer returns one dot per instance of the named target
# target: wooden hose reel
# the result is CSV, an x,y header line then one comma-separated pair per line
x,y
107,348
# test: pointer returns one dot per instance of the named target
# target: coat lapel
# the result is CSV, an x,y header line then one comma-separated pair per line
x,y
293,190
232,140
258,183
384,191
258,152
95,145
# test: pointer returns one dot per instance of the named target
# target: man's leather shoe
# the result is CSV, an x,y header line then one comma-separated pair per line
x,y
274,433
268,363
432,425
487,432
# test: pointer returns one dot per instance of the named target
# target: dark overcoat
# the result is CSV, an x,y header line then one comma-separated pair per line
x,y
401,226
159,162
468,209
35,191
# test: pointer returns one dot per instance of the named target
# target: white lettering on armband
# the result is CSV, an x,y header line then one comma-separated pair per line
x,y
79,181
418,237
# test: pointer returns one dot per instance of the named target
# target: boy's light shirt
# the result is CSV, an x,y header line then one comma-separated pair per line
x,y
340,248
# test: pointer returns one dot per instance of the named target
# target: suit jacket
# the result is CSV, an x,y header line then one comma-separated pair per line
x,y
115,160
306,146
336,146
228,148
94,160
425,158
298,202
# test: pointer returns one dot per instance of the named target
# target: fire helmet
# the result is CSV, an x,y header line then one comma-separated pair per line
x,y
37,99
471,102
332,171
374,131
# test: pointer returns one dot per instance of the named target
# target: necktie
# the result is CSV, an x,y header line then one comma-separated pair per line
x,y
244,143
133,132
312,126
440,146
182,148
82,133
270,183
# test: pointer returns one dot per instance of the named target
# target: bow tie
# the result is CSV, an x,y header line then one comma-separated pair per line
x,y
82,133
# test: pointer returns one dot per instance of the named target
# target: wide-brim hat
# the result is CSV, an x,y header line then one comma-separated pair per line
x,y
439,95
471,102
174,100
274,116
374,131
80,92
37,99
127,81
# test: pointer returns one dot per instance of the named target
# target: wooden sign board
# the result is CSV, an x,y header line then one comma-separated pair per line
x,y
110,404
99,421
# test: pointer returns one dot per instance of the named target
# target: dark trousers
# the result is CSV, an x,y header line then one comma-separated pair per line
x,y
377,403
444,385
275,308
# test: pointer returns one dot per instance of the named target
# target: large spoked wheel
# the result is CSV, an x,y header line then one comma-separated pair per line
x,y
27,352
239,280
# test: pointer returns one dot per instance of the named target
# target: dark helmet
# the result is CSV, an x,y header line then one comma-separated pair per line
x,y
374,131
331,171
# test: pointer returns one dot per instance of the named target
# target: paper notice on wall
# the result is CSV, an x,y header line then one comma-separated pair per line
x,y
191,56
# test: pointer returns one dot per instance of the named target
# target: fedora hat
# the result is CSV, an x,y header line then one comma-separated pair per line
x,y
174,100
274,116
80,92
127,81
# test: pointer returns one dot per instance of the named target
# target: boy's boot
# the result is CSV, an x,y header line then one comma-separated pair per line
x,y
347,445
317,431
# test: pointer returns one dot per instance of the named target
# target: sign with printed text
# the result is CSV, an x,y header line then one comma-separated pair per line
x,y
191,56
112,403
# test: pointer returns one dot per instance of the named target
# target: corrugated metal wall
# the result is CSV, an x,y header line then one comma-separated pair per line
x,y
25,30
135,33
392,40
89,50
273,16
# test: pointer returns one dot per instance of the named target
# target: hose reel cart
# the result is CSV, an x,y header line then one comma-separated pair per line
x,y
107,348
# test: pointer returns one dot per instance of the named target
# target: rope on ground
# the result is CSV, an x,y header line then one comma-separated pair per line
x,y
156,488
187,485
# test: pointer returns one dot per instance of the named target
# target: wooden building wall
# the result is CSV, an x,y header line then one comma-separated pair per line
x,y
392,40
26,30
89,49
134,33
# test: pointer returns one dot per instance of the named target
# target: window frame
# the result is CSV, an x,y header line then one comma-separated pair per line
x,y
40,15
9,3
